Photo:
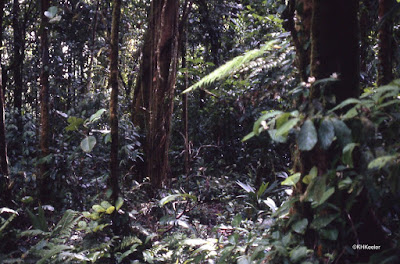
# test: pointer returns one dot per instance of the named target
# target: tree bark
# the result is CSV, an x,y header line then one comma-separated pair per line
x,y
385,53
156,85
335,47
3,143
114,168
44,99
17,64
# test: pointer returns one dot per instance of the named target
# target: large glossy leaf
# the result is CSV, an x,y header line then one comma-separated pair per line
x,y
342,132
326,133
307,137
297,254
74,123
88,143
264,117
323,221
96,116
347,156
381,162
300,226
292,180
284,129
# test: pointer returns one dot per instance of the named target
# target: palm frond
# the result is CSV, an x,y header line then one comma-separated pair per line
x,y
232,66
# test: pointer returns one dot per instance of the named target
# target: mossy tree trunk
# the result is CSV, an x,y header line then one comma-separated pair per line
x,y
156,85
114,168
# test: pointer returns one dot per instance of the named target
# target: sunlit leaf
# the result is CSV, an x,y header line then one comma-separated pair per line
x,y
381,162
307,137
96,116
313,173
168,199
284,129
98,208
119,203
51,12
292,180
110,210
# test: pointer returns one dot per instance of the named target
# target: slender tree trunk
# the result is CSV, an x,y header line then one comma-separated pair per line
x,y
185,105
3,143
44,99
17,64
114,168
385,53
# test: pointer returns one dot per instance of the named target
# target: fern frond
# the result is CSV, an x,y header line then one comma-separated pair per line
x,y
33,232
55,250
65,226
231,66
129,241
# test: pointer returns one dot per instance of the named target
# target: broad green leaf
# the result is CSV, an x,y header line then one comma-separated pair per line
x,y
98,208
119,203
276,138
248,136
264,117
86,214
300,226
105,204
313,173
323,221
347,156
298,254
345,183
281,119
88,144
346,103
330,234
96,116
169,198
262,189
324,197
51,12
381,162
82,225
74,123
292,180
110,210
284,129
326,133
342,132
307,137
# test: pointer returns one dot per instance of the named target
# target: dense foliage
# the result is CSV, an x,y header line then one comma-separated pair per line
x,y
266,174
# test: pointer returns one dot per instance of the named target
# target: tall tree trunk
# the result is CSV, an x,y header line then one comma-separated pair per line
x,y
17,64
299,25
44,99
385,53
3,144
335,47
185,112
114,168
155,87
